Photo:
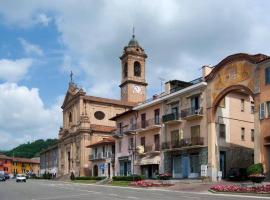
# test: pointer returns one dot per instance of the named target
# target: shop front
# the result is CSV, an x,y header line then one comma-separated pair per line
x,y
149,166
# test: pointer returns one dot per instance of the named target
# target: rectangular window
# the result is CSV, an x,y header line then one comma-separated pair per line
x,y
143,120
268,108
103,151
131,143
120,128
119,146
157,121
267,76
175,138
262,111
252,107
195,135
195,104
222,131
242,134
157,142
252,135
242,105
143,141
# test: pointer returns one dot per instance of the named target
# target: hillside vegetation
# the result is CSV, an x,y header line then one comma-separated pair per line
x,y
31,149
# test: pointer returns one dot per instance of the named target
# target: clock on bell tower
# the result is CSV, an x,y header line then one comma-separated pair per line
x,y
133,84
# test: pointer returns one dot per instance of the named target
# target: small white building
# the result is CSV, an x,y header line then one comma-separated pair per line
x,y
102,157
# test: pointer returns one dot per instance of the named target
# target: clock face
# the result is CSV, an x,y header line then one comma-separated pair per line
x,y
137,89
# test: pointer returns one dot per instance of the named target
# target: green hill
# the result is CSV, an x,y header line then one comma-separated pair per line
x,y
31,149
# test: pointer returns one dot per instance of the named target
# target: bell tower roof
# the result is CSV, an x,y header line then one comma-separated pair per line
x,y
133,42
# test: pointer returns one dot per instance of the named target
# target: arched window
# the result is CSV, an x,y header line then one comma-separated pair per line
x,y
125,70
70,118
137,68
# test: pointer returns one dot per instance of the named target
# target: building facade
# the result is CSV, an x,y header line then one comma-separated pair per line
x,y
49,161
5,164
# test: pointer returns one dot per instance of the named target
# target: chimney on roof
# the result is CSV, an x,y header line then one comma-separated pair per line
x,y
206,69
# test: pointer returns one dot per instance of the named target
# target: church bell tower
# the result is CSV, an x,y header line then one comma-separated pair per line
x,y
133,84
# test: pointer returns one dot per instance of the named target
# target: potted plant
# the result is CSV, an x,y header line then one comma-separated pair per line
x,y
255,173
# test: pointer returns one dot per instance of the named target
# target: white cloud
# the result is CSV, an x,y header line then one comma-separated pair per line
x,y
14,70
24,117
43,19
30,48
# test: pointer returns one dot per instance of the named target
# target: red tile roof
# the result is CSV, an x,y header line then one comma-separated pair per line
x,y
102,142
25,160
109,101
102,128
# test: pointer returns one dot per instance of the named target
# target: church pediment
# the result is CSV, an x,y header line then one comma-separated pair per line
x,y
72,93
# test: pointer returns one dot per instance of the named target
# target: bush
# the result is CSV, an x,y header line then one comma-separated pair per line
x,y
255,169
98,178
72,176
129,178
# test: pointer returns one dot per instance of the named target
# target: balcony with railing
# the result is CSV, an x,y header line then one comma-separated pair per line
x,y
149,124
192,113
152,148
183,143
129,129
171,118
101,156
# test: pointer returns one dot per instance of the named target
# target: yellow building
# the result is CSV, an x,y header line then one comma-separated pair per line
x,y
25,166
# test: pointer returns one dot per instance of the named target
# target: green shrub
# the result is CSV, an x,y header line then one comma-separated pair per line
x,y
98,178
128,178
255,169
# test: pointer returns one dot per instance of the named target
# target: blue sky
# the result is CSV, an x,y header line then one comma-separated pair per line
x,y
41,41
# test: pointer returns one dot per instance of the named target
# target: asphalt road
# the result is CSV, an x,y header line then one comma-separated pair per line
x,y
54,190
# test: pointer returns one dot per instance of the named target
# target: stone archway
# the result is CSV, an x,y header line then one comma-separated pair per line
x,y
237,72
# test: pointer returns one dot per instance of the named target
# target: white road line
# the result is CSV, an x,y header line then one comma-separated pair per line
x,y
132,197
114,195
61,197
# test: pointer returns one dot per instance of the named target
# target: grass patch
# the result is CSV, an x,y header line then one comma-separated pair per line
x,y
84,181
120,183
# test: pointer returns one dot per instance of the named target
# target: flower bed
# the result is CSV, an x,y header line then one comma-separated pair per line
x,y
262,189
149,184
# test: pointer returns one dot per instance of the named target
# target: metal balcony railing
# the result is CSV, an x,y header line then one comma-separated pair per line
x,y
191,112
187,142
171,117
152,148
149,123
100,156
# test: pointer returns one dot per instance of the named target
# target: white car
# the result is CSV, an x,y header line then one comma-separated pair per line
x,y
20,178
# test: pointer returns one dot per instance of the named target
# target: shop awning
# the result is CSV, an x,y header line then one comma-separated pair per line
x,y
149,160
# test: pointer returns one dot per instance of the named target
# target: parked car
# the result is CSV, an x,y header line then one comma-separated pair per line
x,y
20,178
237,174
6,176
2,177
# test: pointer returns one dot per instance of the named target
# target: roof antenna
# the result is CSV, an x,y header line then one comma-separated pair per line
x,y
161,83
133,32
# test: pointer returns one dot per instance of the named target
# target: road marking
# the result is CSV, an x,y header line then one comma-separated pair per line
x,y
132,197
61,197
114,195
